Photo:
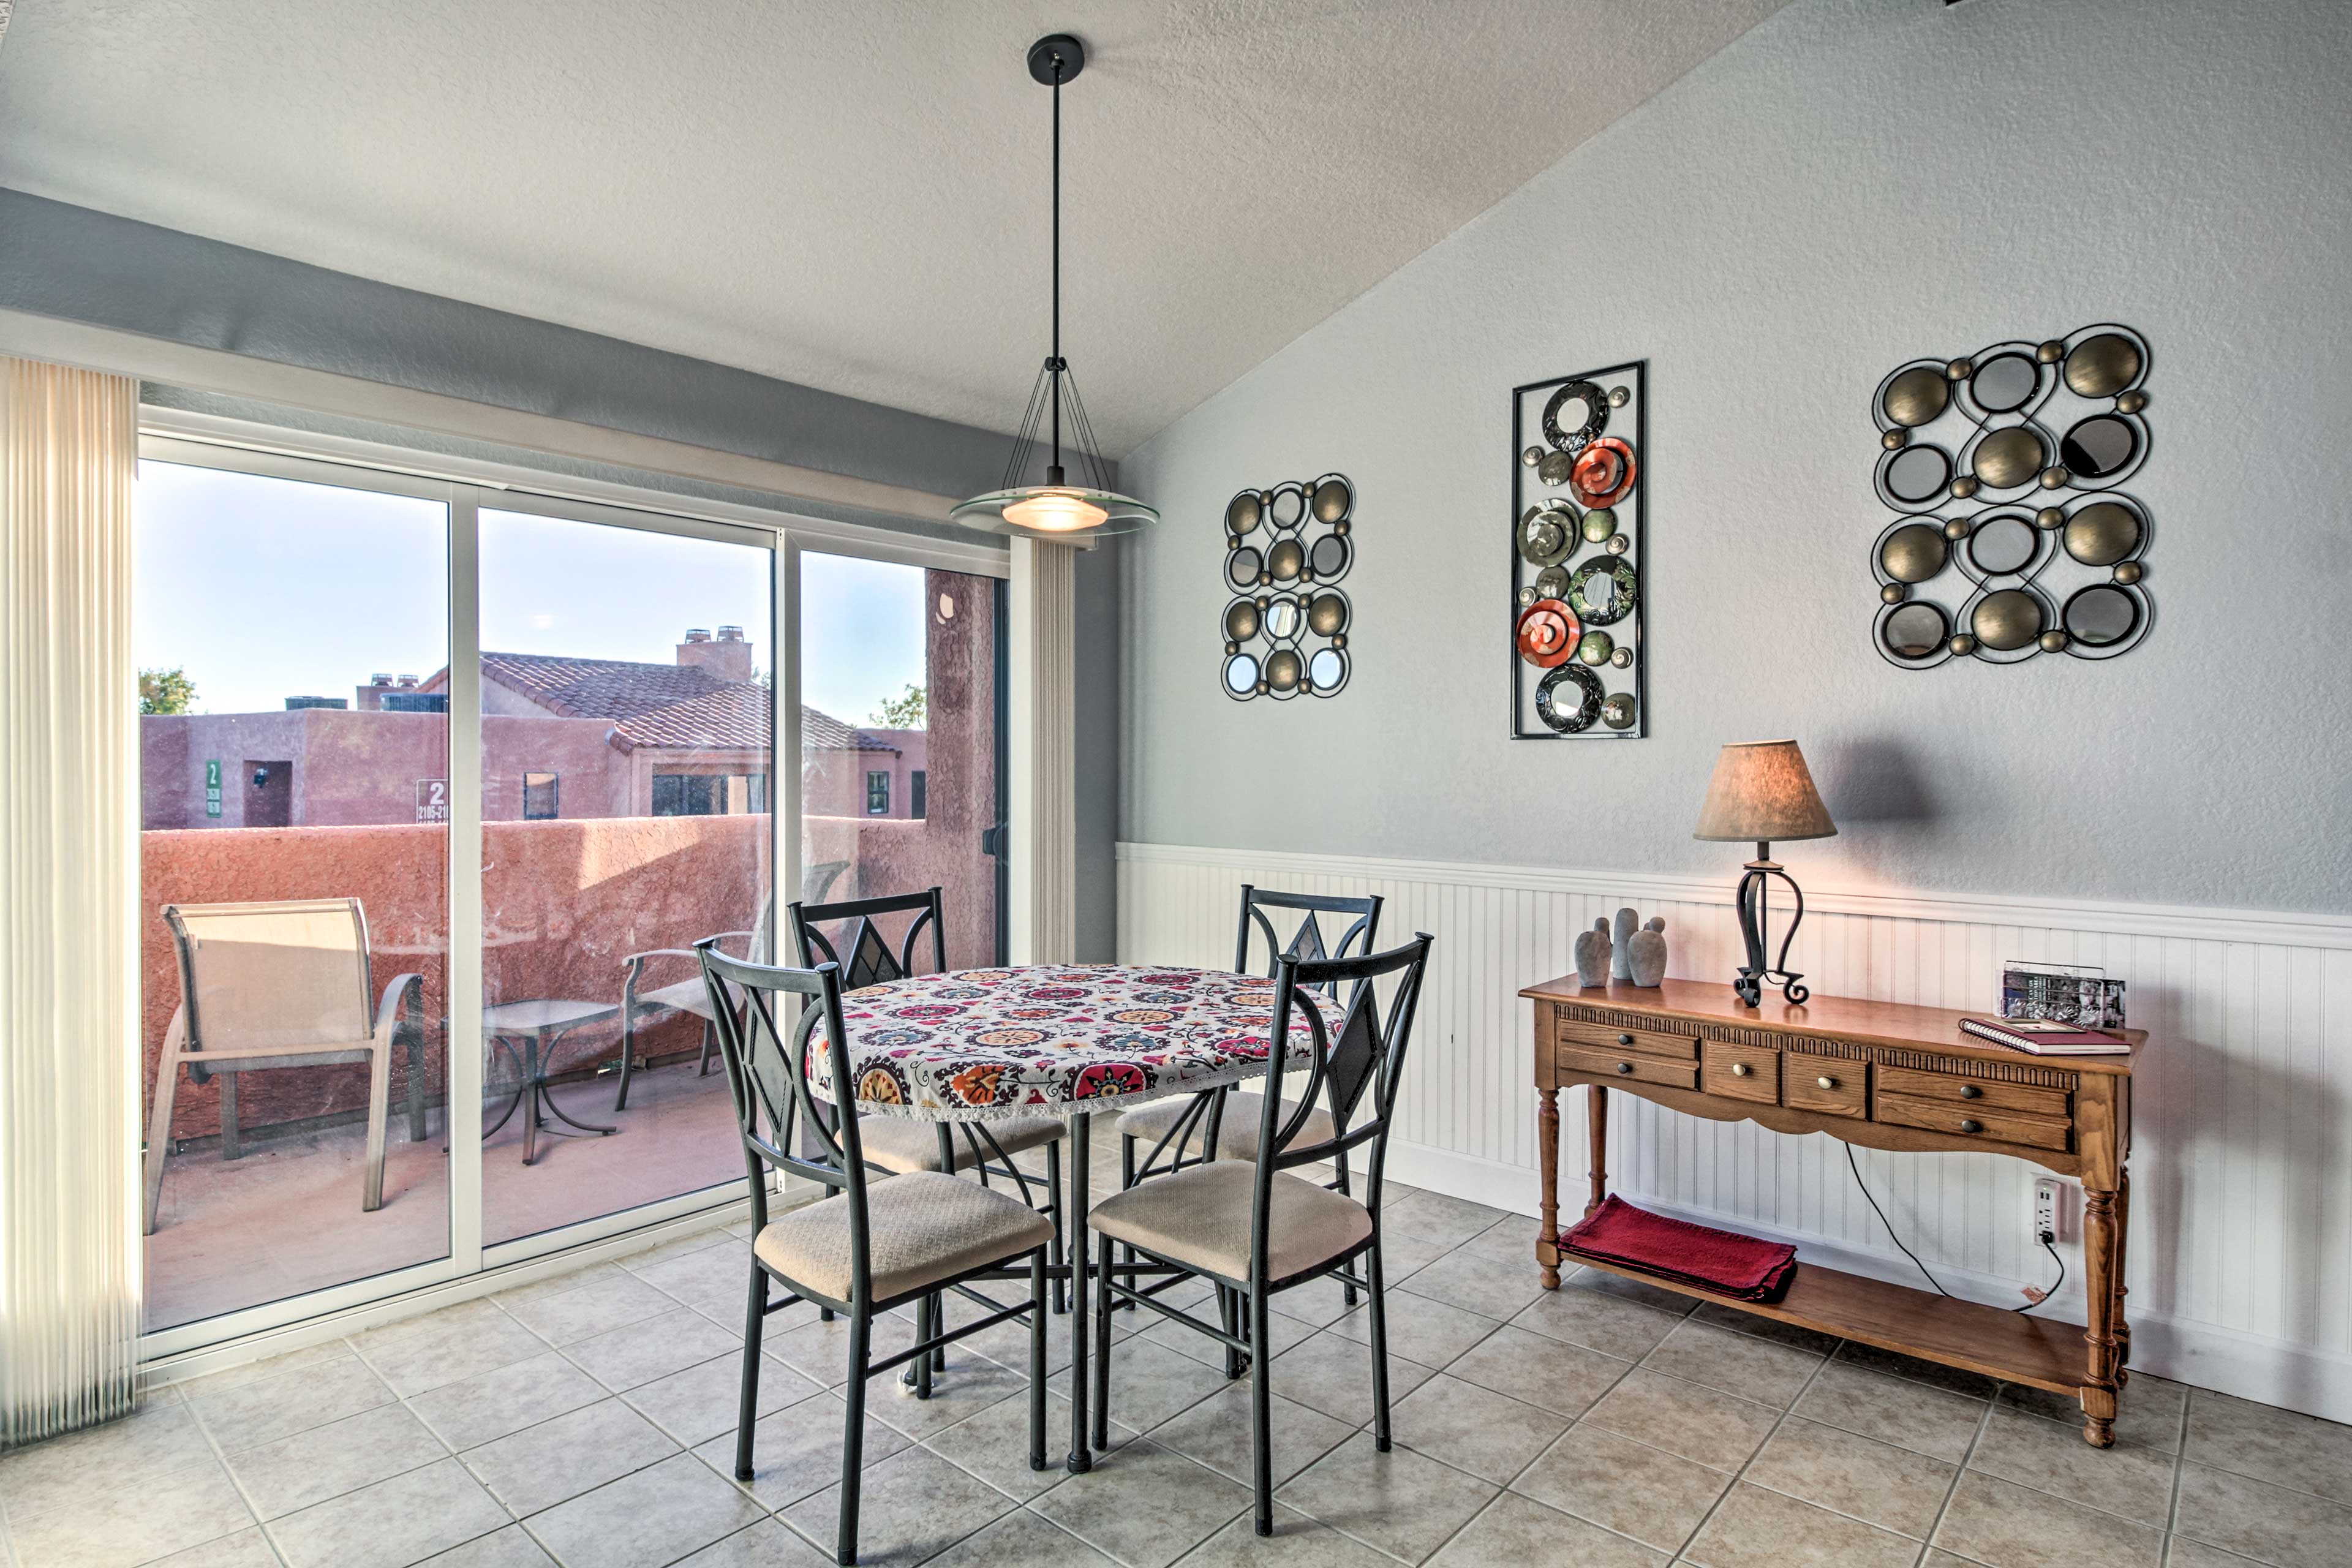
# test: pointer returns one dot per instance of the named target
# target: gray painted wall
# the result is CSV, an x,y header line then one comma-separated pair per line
x,y
1855,183
77,265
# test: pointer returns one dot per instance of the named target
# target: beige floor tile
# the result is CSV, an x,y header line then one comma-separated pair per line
x,y
1908,1415
2275,1446
269,1408
1145,1504
561,1457
447,1346
797,1450
2272,1524
1716,1314
1281,1332
1754,1528
1476,1429
677,1247
657,1515
1515,1532
1489,1286
911,1506
607,1302
392,1523
1625,1485
486,1408
1703,1425
1433,1217
1581,1314
1421,1329
1318,1302
1894,1363
1404,1503
1216,1432
820,1351
2007,1526
1148,1385
2148,1412
557,1284
1876,1482
137,1451
2182,1553
2126,1480
970,1386
768,1544
714,1280
1736,1364
327,1462
994,1445
1007,1344
1657,1298
1297,1542
118,1527
1564,1379
510,1547
1334,1374
1511,1239
1026,1537
246,1549
702,1401
636,1353
268,1366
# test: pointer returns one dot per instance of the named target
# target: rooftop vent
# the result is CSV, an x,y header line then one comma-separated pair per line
x,y
379,679
698,634
730,633
407,682
295,704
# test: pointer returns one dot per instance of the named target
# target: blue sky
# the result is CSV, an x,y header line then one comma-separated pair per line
x,y
264,589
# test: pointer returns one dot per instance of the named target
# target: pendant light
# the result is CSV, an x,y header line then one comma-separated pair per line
x,y
1059,507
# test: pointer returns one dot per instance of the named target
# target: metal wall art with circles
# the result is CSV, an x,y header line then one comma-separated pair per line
x,y
2010,536
1580,508
1288,622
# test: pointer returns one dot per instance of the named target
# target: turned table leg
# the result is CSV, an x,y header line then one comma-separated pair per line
x,y
2123,1238
2100,1254
1547,1156
1596,1112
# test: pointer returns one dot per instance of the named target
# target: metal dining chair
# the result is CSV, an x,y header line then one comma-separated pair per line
x,y
881,1244
1253,1229
898,1145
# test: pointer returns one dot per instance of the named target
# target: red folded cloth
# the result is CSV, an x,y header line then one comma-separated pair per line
x,y
1721,1261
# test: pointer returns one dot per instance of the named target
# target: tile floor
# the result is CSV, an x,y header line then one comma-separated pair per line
x,y
586,1420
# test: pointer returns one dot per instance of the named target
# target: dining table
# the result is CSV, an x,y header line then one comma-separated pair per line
x,y
1069,1040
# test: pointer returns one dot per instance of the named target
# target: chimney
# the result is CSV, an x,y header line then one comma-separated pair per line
x,y
408,683
729,658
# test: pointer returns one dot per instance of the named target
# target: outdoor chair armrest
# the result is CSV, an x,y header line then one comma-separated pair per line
x,y
405,989
635,963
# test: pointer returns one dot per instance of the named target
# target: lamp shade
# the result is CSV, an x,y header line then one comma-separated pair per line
x,y
1762,791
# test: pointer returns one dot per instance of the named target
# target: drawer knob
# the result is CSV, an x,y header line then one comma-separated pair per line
x,y
1739,1070
1826,1082
1624,1067
1970,1092
1971,1126
1625,1039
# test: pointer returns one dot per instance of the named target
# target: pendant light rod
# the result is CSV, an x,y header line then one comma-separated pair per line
x,y
1053,472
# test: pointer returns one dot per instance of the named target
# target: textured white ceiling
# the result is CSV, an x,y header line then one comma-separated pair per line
x,y
853,196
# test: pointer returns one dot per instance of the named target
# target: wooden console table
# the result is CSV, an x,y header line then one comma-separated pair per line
x,y
1883,1075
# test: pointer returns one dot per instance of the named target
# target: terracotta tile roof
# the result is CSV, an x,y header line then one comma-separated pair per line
x,y
665,705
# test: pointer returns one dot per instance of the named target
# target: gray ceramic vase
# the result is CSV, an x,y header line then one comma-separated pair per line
x,y
1646,953
1592,955
1621,965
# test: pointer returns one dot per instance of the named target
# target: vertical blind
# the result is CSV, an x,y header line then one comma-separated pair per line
x,y
69,885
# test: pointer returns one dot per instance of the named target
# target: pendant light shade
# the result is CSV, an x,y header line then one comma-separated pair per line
x,y
1067,504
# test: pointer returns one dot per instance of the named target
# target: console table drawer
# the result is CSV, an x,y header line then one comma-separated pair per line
x,y
1629,1064
1969,1121
1984,1094
1590,1035
1742,1072
1832,1084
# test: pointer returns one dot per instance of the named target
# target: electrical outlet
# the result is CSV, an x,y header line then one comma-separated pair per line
x,y
2045,1209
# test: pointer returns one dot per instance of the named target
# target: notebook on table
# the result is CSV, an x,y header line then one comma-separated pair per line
x,y
2046,1037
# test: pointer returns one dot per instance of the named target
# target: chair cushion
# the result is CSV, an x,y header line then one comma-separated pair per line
x,y
1200,1217
685,996
899,1144
925,1227
1236,1131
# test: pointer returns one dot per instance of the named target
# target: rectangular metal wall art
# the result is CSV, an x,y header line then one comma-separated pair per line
x,y
1579,510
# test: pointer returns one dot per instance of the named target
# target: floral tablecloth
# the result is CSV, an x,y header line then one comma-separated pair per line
x,y
976,1045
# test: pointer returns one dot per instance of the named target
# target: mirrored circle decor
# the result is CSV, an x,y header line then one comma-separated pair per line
x,y
1545,536
1330,557
1548,633
1601,590
1326,614
1243,512
1242,620
2008,459
1914,552
1334,497
1916,476
1604,473
1289,506
1284,669
1599,524
2102,365
2006,620
2102,533
1286,561
1914,630
1555,469
1914,397
2101,447
1551,583
2005,383
1577,413
1572,712
1241,675
1283,619
1242,566
1617,710
2003,544
1596,648
2100,615
1326,671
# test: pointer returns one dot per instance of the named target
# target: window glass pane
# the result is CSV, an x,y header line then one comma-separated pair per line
x,y
899,772
294,743
627,666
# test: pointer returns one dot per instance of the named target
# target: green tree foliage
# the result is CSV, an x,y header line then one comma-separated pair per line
x,y
904,712
166,691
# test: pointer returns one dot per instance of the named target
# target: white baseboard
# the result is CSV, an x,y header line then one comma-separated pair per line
x,y
2272,1372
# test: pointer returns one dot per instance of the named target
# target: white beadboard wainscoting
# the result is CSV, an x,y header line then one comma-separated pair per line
x,y
2241,1251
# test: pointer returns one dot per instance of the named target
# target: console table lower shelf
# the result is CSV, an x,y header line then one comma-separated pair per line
x,y
1888,1076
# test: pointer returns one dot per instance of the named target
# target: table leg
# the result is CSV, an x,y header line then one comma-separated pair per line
x,y
2123,1237
1547,1155
534,1082
548,1101
2099,1253
1596,1111
1081,1457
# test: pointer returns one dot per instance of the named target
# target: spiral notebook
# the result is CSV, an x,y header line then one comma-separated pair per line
x,y
2044,1037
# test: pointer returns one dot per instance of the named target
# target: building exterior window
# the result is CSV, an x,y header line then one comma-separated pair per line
x,y
689,794
877,794
539,798
917,794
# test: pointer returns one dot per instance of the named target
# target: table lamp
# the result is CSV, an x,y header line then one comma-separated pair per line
x,y
1761,791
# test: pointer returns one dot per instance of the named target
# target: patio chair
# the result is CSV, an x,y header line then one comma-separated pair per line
x,y
286,985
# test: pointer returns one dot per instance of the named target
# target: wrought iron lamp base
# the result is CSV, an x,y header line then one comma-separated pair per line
x,y
1755,924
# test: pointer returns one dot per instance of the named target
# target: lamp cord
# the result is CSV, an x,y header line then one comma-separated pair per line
x,y
2045,1239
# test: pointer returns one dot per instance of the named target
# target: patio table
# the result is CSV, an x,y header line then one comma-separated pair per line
x,y
537,1026
1067,1040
